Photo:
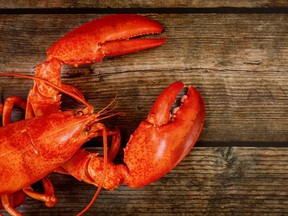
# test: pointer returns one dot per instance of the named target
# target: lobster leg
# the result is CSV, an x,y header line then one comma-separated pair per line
x,y
48,197
9,103
115,143
9,202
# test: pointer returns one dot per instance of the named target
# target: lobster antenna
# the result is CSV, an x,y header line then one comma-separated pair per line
x,y
104,174
104,110
50,84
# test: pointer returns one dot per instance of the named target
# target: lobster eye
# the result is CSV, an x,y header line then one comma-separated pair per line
x,y
79,113
88,128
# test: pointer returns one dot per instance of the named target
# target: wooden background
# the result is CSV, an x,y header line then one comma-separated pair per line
x,y
233,52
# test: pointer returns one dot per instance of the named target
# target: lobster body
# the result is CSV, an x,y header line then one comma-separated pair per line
x,y
33,148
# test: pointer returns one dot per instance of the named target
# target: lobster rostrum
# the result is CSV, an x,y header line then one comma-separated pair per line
x,y
32,148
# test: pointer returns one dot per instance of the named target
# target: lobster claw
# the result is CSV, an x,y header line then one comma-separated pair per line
x,y
162,141
106,36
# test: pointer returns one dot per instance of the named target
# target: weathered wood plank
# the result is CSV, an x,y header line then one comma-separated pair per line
x,y
237,61
140,4
222,181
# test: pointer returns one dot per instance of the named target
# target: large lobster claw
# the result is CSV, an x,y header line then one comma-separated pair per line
x,y
106,36
155,148
163,140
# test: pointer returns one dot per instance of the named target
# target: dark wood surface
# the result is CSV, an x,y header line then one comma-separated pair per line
x,y
234,53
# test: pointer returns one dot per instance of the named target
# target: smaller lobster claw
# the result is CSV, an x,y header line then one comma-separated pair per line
x,y
107,36
163,140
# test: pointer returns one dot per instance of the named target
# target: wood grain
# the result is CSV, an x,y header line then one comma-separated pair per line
x,y
209,181
238,62
22,4
233,52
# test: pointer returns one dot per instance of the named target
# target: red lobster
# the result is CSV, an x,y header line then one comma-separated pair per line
x,y
32,148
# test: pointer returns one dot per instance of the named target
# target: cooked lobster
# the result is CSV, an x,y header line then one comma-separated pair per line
x,y
33,148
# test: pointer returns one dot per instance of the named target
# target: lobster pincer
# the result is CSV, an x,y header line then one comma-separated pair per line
x,y
164,139
155,148
107,36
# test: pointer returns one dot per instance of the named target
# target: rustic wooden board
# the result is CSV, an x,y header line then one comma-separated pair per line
x,y
22,4
233,52
222,181
237,61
